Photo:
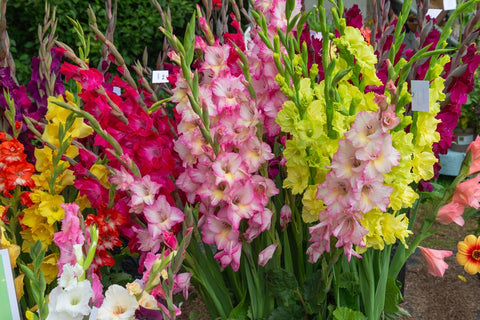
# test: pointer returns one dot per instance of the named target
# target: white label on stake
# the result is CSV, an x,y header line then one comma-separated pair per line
x,y
117,91
159,76
449,5
433,13
420,95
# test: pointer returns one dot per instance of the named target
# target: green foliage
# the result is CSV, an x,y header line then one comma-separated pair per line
x,y
136,27
281,284
36,281
344,313
294,312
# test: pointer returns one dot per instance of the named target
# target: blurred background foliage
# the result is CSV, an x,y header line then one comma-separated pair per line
x,y
136,27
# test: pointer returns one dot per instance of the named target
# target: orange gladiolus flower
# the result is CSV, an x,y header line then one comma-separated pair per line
x,y
469,254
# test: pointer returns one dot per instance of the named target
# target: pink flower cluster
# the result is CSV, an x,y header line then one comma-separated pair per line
x,y
270,98
354,186
233,195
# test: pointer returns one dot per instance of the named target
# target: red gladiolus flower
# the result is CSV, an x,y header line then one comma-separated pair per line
x,y
217,4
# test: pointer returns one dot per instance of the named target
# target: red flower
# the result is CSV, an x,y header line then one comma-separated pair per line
x,y
217,4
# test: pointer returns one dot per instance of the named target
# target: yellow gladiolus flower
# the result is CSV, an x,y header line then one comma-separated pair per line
x,y
101,172
311,205
19,286
50,208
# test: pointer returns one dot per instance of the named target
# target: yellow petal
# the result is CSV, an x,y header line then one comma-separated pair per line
x,y
472,267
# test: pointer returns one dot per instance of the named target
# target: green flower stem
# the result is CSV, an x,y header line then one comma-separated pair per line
x,y
157,105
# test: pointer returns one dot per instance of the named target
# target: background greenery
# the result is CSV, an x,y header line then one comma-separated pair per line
x,y
136,27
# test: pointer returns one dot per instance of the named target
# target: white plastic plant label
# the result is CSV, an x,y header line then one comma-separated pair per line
x,y
117,91
420,95
449,5
159,76
433,13
8,298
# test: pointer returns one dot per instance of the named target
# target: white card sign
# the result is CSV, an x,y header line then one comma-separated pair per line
x,y
449,5
8,298
159,76
420,95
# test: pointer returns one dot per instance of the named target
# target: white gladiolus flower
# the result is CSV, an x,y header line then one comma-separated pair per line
x,y
70,275
70,304
119,304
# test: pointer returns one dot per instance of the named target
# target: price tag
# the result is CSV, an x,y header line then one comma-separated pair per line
x,y
420,95
117,91
159,76
8,297
449,5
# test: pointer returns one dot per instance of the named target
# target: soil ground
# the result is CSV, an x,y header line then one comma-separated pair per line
x,y
428,297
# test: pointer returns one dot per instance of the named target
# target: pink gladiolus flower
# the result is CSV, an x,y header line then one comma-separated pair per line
x,y
182,282
285,216
219,232
244,203
320,237
255,153
336,193
258,223
215,59
349,232
468,192
451,212
391,87
266,254
227,91
366,135
435,262
228,167
381,100
389,118
70,235
97,288
230,256
345,164
122,178
143,193
161,217
373,194
386,158
474,149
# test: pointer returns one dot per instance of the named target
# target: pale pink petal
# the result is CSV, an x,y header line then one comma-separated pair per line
x,y
266,254
451,212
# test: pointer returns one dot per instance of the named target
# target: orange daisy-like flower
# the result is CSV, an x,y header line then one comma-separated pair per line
x,y
469,254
